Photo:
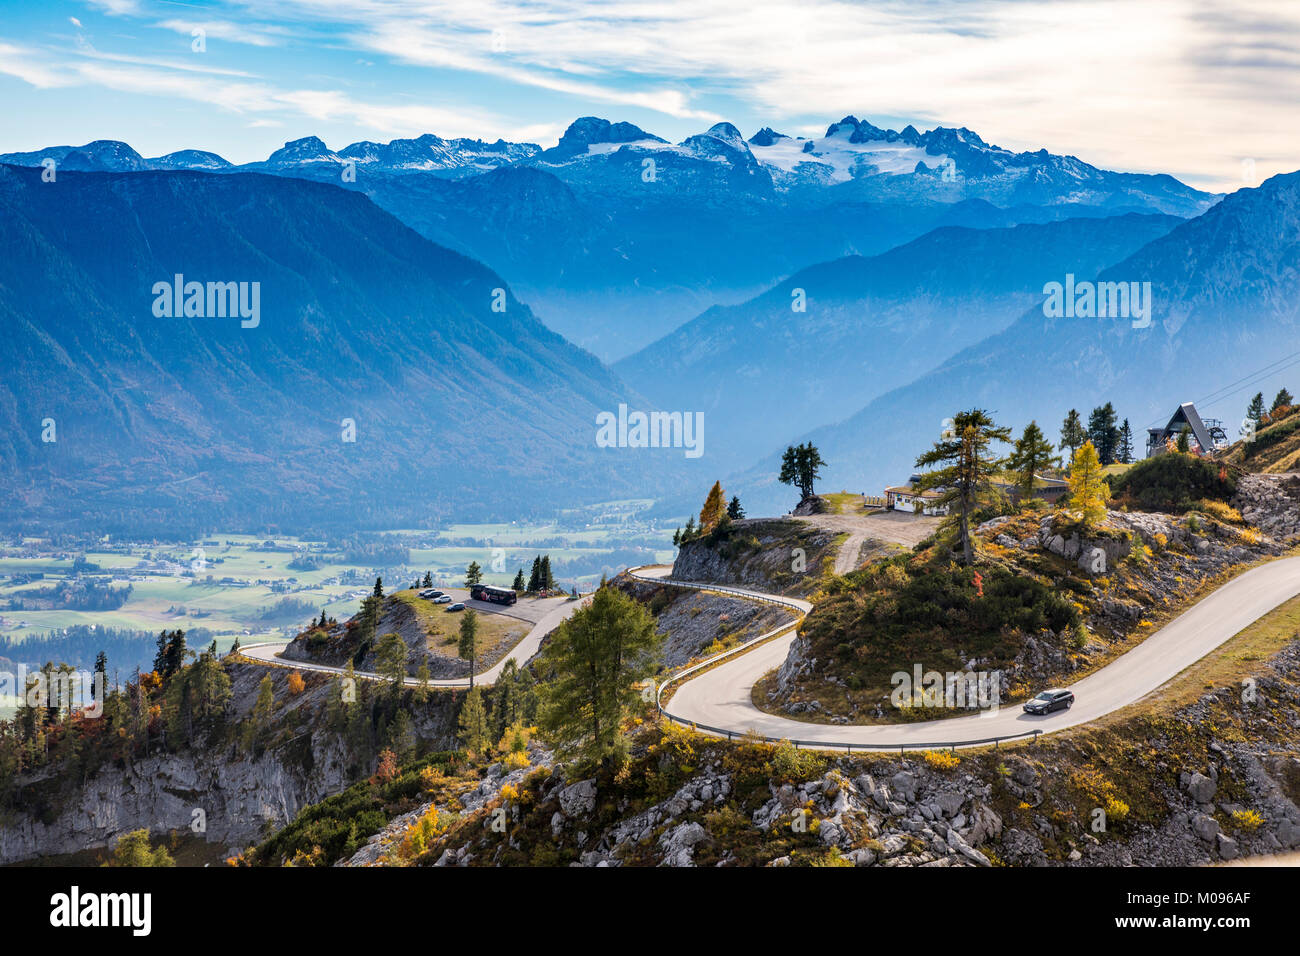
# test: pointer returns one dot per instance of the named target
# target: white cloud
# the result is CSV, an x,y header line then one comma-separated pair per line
x,y
234,91
1179,85
258,34
27,65
117,8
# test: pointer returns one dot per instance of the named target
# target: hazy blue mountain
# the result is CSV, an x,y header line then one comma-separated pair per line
x,y
189,423
632,235
1225,324
868,325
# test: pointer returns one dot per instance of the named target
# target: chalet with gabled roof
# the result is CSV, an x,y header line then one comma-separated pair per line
x,y
1205,436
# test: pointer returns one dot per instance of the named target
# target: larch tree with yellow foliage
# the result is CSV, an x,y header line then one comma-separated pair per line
x,y
1087,487
715,506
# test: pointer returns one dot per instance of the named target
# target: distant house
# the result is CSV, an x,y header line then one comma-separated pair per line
x,y
907,498
1204,436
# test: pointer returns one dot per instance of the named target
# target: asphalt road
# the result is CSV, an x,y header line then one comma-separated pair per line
x,y
523,652
720,697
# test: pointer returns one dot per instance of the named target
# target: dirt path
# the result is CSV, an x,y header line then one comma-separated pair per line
x,y
886,527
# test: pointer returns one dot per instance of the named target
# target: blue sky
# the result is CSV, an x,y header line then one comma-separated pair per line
x,y
1191,88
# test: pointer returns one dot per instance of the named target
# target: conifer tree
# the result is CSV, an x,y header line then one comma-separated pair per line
x,y
473,722
734,510
1125,453
800,467
469,643
390,660
1031,453
964,480
1255,410
133,850
1103,432
715,506
473,574
594,661
1087,488
1072,433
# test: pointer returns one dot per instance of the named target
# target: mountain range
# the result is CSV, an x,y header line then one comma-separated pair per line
x,y
616,236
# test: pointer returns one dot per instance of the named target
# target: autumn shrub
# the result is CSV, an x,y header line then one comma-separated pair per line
x,y
1221,511
1116,810
792,765
1247,820
431,777
387,768
313,857
940,759
420,835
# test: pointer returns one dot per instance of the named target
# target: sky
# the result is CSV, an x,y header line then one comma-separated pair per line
x,y
1205,91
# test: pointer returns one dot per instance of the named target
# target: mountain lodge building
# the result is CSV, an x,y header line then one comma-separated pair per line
x,y
1204,436
907,498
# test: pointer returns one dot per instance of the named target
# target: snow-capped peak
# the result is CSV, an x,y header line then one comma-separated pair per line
x,y
728,134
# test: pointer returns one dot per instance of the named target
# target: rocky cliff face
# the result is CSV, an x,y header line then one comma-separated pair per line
x,y
697,623
224,794
776,556
231,802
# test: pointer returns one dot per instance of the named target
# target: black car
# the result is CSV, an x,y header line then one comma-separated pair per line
x,y
1050,700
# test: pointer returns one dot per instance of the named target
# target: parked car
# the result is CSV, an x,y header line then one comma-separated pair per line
x,y
456,607
1050,700
430,593
442,599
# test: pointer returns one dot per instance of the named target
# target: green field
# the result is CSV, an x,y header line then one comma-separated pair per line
x,y
169,590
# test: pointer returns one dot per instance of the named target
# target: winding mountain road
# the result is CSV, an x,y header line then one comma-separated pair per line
x,y
719,700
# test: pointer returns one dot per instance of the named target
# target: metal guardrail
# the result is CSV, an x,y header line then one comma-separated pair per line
x,y
849,747
741,648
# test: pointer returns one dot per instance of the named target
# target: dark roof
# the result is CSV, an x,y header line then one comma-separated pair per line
x,y
1187,413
